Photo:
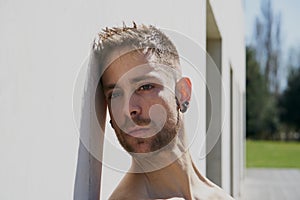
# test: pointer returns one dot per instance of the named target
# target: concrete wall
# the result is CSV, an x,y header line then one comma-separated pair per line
x,y
229,30
43,44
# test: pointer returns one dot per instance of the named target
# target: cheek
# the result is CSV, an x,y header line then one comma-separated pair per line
x,y
114,112
168,103
168,99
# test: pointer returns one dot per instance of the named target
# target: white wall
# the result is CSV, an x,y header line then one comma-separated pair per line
x,y
43,44
230,21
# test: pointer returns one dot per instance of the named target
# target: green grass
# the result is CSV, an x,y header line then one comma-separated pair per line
x,y
271,154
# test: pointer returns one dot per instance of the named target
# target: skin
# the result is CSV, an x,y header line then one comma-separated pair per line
x,y
144,103
139,91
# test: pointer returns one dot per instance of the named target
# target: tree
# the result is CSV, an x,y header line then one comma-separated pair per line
x,y
255,90
263,110
290,100
268,44
261,120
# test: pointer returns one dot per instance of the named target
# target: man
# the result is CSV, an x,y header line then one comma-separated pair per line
x,y
147,97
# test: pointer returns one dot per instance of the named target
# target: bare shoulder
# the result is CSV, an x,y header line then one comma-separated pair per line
x,y
121,193
211,192
130,187
219,194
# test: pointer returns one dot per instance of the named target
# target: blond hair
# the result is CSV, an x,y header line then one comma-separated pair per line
x,y
146,39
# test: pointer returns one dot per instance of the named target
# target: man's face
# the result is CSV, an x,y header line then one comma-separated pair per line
x,y
141,101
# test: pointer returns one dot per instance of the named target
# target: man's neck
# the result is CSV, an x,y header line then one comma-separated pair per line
x,y
169,173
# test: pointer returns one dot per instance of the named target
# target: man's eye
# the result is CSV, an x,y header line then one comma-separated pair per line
x,y
114,95
146,87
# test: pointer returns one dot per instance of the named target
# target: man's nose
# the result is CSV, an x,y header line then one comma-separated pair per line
x,y
134,106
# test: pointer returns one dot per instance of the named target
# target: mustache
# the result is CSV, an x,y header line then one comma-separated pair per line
x,y
136,121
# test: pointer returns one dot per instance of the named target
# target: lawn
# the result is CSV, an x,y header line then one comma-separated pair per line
x,y
272,154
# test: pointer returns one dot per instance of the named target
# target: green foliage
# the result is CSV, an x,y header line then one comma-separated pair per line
x,y
255,98
268,44
290,101
272,154
262,84
261,115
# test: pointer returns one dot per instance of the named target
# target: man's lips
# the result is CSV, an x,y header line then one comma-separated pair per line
x,y
139,132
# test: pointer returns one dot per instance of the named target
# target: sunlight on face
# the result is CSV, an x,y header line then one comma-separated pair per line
x,y
142,104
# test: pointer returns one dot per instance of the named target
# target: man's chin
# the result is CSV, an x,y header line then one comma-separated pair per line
x,y
141,147
146,145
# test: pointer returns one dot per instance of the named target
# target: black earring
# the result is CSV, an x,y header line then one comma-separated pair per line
x,y
184,106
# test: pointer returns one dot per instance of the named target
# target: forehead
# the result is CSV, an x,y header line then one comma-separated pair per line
x,y
131,65
121,64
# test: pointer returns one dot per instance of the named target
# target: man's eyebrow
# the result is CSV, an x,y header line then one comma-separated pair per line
x,y
133,80
109,86
141,78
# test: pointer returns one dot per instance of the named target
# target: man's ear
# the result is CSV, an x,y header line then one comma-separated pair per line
x,y
183,91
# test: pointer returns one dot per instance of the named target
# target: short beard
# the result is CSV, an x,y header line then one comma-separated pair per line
x,y
157,141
